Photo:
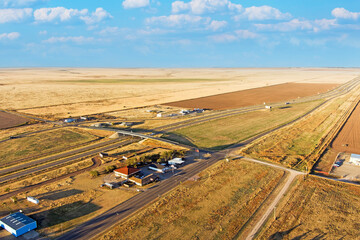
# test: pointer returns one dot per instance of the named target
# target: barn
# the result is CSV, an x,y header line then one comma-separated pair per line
x,y
18,224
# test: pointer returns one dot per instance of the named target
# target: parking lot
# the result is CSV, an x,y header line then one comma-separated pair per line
x,y
344,169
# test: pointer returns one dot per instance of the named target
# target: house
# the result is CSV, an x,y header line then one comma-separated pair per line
x,y
176,161
126,172
18,224
141,181
355,159
158,167
33,200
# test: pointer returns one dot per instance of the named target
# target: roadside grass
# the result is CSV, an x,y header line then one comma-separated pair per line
x,y
317,209
220,133
215,206
292,145
41,143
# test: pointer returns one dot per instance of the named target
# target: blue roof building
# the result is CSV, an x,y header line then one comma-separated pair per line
x,y
18,224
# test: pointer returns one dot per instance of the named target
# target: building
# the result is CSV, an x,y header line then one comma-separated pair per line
x,y
158,167
33,200
176,161
141,181
268,107
18,224
69,120
126,172
355,159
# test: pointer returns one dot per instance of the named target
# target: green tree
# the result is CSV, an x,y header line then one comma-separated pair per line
x,y
94,173
7,189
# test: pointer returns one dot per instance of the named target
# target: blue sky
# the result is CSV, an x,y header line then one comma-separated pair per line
x,y
188,33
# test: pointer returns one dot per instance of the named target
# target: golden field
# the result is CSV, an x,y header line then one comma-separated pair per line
x,y
73,92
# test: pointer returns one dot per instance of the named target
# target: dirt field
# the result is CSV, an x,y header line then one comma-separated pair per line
x,y
317,209
214,207
8,120
271,94
73,92
348,139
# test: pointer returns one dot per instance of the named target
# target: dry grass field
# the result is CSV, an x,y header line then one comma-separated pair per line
x,y
6,133
214,207
292,145
270,94
220,133
61,93
317,209
41,143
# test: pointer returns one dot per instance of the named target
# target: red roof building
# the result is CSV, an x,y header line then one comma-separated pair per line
x,y
126,172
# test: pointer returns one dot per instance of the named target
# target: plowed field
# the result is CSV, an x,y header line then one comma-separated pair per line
x,y
348,139
271,94
8,120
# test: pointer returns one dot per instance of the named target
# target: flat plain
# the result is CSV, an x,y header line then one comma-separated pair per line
x,y
58,93
8,120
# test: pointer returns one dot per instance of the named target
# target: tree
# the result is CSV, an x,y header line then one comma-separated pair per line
x,y
14,199
94,173
7,189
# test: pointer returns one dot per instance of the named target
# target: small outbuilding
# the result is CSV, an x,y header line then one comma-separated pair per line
x,y
33,200
158,168
355,159
176,161
18,224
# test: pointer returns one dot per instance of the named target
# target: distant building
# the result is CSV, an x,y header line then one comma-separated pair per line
x,y
69,120
126,172
158,167
355,159
18,224
33,200
159,115
268,107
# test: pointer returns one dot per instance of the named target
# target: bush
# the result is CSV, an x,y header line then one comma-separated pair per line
x,y
94,173
7,189
109,169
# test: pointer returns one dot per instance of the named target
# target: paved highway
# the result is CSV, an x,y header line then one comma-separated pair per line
x,y
59,159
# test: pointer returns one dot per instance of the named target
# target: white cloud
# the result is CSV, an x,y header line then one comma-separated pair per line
x,y
296,24
64,14
97,16
203,6
127,4
178,20
44,32
262,13
78,40
57,13
109,31
19,3
216,25
14,15
345,14
9,36
236,35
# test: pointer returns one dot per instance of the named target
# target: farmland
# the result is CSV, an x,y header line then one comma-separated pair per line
x,y
41,143
8,120
215,206
317,209
220,133
60,93
271,94
296,142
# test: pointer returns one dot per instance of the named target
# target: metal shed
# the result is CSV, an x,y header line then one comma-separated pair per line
x,y
18,224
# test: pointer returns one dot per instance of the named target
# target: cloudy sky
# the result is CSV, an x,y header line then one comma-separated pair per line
x,y
188,33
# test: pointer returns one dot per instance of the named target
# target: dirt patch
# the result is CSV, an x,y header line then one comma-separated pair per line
x,y
348,139
8,120
276,93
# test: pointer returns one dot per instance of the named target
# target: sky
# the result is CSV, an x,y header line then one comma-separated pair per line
x,y
175,34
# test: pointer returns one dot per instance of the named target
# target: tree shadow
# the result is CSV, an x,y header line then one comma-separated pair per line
x,y
64,213
55,195
281,235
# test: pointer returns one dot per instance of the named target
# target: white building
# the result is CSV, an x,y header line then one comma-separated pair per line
x,y
355,159
176,161
33,200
